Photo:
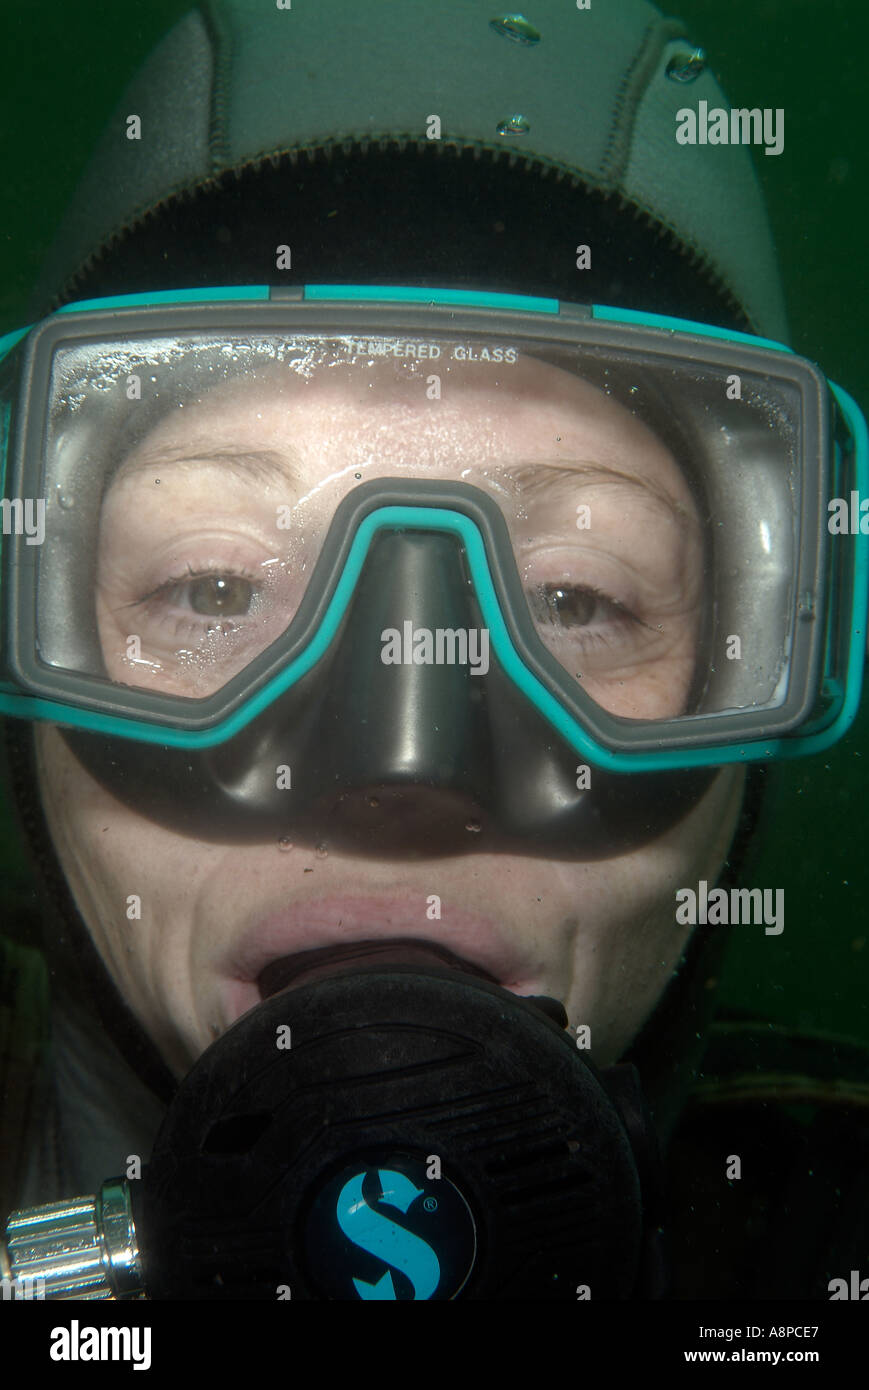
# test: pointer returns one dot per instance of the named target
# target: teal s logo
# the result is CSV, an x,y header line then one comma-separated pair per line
x,y
369,1228
382,1230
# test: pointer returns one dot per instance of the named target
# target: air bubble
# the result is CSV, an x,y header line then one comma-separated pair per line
x,y
474,826
285,844
321,851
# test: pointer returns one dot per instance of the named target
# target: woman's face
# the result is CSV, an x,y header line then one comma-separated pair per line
x,y
207,565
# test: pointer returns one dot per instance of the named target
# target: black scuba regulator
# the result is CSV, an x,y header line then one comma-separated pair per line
x,y
380,1132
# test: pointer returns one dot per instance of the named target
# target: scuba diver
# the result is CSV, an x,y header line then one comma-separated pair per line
x,y
416,549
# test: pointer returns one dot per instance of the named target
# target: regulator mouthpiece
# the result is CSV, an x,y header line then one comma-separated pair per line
x,y
392,1133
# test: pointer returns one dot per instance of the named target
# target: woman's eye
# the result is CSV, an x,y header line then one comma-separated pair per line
x,y
568,605
215,595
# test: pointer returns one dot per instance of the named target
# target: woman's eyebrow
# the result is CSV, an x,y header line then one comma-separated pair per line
x,y
540,479
255,468
251,467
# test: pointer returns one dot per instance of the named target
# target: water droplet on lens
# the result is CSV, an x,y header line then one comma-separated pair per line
x,y
474,826
514,125
687,65
285,844
321,851
516,27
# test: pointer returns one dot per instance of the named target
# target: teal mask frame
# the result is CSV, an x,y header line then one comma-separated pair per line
x,y
843,696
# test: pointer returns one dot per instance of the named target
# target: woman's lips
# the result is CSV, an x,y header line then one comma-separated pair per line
x,y
279,948
305,966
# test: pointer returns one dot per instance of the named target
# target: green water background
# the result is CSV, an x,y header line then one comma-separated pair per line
x,y
64,65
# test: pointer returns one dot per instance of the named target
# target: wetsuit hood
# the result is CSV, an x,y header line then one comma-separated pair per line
x,y
564,120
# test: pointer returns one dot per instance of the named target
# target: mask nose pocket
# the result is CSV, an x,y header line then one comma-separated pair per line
x,y
389,735
407,678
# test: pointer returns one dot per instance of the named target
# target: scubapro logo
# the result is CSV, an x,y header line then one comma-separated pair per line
x,y
370,1229
383,1230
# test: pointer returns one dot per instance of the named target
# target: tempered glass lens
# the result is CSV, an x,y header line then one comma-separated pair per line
x,y
191,483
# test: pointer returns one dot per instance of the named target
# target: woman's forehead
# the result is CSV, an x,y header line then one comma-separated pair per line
x,y
405,414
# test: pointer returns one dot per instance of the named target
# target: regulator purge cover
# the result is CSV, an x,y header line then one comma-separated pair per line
x,y
396,1133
